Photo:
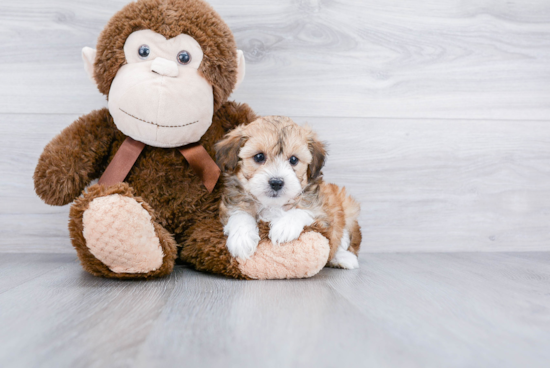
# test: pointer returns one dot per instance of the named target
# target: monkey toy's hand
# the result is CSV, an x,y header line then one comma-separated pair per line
x,y
74,158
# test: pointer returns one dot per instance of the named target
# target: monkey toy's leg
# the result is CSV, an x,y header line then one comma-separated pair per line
x,y
304,257
116,235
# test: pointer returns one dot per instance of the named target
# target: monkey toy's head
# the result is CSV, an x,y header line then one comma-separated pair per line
x,y
166,66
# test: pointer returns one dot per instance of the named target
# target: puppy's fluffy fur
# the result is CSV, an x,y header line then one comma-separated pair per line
x,y
272,173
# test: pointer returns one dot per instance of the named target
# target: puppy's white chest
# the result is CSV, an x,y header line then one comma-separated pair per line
x,y
269,214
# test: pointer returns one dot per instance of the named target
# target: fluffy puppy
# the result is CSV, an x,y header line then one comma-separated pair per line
x,y
272,173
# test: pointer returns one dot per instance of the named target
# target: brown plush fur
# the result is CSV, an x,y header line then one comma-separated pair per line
x,y
206,250
161,178
184,213
279,137
171,18
74,158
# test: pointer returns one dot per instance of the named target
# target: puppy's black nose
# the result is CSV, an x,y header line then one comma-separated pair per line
x,y
276,183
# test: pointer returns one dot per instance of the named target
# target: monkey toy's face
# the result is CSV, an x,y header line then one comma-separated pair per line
x,y
159,96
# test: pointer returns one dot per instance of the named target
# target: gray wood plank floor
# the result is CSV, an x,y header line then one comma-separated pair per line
x,y
397,310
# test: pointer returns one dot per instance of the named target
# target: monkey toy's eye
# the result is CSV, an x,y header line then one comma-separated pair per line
x,y
184,57
259,158
144,51
293,160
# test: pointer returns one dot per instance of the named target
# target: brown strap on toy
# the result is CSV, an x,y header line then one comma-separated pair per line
x,y
122,163
199,160
202,164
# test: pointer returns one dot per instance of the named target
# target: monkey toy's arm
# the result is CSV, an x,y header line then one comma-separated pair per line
x,y
74,158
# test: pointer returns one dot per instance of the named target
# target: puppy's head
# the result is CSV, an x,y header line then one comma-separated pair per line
x,y
273,158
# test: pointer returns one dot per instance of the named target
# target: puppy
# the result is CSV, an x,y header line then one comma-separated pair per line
x,y
272,173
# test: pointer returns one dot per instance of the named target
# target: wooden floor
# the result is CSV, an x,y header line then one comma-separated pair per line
x,y
397,310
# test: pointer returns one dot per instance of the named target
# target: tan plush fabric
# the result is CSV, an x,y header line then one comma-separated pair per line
x,y
303,257
119,232
93,265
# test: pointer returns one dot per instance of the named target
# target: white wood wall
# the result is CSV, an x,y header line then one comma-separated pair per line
x,y
437,112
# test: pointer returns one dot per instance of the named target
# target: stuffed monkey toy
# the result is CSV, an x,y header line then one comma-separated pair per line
x,y
167,68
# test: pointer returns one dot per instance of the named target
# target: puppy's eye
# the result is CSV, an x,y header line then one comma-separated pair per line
x,y
293,160
259,158
144,51
184,57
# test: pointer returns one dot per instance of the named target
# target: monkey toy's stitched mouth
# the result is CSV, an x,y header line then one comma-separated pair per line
x,y
159,125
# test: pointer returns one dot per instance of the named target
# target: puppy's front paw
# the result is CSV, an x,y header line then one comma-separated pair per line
x,y
242,235
242,244
289,226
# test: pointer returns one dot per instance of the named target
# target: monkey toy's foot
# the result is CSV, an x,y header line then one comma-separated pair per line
x,y
116,235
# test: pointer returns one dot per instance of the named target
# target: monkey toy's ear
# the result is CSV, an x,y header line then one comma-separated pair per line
x,y
88,55
240,68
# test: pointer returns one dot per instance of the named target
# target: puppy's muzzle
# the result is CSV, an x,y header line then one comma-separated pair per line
x,y
276,184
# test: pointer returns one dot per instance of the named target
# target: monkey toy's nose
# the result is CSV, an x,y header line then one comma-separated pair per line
x,y
276,183
165,67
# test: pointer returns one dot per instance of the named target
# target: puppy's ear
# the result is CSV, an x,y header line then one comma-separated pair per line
x,y
318,153
227,150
